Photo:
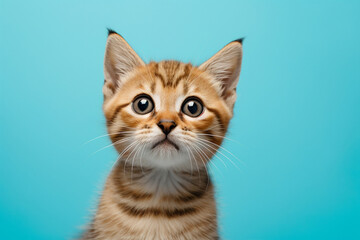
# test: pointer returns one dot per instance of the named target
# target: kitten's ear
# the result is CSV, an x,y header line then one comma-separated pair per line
x,y
225,66
120,59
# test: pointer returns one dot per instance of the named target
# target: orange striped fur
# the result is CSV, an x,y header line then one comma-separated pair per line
x,y
159,187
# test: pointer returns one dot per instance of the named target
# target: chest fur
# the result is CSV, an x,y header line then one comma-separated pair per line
x,y
127,211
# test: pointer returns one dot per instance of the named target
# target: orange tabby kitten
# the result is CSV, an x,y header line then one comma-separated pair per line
x,y
166,120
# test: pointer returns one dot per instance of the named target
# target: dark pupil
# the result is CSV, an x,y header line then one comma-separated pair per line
x,y
192,107
143,104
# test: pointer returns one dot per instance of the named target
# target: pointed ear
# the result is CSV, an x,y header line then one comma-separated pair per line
x,y
225,66
120,59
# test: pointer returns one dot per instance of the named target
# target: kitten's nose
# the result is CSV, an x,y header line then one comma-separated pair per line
x,y
166,125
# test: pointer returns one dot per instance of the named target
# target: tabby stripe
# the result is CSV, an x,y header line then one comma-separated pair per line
x,y
185,74
218,116
186,88
119,135
124,190
117,110
210,135
153,86
174,70
134,195
157,74
127,192
140,212
191,196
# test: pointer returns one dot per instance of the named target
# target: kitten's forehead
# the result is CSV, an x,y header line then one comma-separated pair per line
x,y
170,75
177,78
170,82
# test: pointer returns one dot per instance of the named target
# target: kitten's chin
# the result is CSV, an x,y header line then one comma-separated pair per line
x,y
165,145
167,156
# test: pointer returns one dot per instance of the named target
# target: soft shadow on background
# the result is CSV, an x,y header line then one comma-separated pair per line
x,y
296,121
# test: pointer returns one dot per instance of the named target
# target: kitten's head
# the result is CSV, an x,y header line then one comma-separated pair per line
x,y
168,114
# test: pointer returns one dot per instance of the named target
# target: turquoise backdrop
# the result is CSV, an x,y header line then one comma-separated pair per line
x,y
296,126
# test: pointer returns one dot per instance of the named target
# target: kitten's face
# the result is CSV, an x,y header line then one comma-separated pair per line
x,y
164,115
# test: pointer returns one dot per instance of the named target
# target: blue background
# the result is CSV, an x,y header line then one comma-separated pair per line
x,y
296,121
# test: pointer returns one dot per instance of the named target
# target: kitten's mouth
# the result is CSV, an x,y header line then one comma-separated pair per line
x,y
165,142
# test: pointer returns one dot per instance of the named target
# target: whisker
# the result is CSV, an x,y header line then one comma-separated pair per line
x,y
208,158
136,144
213,152
132,162
204,143
223,148
195,162
112,144
191,167
105,135
123,152
142,151
219,136
207,173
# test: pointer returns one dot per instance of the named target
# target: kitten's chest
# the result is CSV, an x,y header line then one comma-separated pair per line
x,y
126,214
196,227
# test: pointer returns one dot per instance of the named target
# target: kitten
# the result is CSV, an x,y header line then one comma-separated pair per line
x,y
166,119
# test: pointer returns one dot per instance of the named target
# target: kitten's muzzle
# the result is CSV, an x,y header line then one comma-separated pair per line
x,y
165,141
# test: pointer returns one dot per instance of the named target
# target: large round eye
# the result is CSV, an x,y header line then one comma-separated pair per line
x,y
192,107
143,104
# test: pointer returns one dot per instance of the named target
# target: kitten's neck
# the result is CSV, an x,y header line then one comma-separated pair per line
x,y
160,182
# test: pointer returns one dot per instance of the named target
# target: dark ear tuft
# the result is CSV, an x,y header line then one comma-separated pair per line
x,y
110,31
240,40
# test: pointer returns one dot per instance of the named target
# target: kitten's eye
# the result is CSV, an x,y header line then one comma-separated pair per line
x,y
192,107
143,104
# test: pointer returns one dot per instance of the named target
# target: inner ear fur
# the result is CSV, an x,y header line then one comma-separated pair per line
x,y
225,67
